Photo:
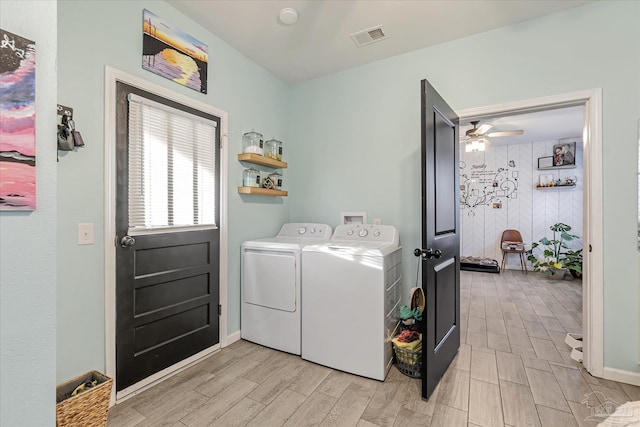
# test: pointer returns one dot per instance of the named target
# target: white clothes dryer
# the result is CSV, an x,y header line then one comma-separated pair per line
x,y
270,277
351,298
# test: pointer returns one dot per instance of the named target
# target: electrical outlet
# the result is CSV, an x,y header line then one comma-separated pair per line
x,y
85,234
377,221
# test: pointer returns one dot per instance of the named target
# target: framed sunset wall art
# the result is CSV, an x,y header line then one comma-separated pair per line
x,y
17,123
173,54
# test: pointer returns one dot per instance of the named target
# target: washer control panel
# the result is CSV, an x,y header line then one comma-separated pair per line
x,y
305,230
366,233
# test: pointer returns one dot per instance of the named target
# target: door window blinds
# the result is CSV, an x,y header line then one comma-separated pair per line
x,y
171,167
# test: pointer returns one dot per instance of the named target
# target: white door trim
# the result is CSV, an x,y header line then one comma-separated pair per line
x,y
593,282
112,76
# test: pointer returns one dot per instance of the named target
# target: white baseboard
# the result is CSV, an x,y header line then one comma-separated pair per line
x,y
231,338
621,376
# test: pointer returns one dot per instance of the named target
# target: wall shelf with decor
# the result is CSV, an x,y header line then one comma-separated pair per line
x,y
551,187
262,160
262,191
557,167
271,189
563,157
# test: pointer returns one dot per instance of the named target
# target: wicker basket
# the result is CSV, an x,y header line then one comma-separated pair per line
x,y
86,409
408,362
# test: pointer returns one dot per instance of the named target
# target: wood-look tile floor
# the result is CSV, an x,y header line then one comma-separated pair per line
x,y
513,369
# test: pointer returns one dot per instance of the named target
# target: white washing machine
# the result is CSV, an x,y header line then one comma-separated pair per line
x,y
270,277
350,299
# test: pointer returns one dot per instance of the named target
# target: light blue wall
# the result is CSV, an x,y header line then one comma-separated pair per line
x,y
357,133
28,246
351,139
98,33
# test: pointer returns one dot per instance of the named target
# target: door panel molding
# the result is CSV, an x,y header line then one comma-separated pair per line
x,y
593,277
444,265
112,76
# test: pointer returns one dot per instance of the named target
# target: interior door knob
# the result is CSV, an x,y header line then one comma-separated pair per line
x,y
428,253
127,241
434,253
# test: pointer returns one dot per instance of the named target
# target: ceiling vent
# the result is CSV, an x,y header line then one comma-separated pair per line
x,y
368,36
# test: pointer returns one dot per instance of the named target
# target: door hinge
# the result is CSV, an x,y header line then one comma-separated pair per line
x,y
115,241
590,248
219,309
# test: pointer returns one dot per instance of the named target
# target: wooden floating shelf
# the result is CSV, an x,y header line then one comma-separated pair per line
x,y
262,160
262,191
555,186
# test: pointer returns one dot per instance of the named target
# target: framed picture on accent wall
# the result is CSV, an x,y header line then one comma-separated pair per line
x,y
564,154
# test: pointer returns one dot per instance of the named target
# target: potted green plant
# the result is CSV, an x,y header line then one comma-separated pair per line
x,y
573,261
556,254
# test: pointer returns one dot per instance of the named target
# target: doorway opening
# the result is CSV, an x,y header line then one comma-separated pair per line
x,y
522,181
590,142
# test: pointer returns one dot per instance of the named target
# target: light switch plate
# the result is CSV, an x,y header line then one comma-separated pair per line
x,y
85,234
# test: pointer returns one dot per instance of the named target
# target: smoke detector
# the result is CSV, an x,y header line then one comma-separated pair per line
x,y
368,36
288,16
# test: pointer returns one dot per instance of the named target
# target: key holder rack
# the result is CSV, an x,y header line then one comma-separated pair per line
x,y
68,137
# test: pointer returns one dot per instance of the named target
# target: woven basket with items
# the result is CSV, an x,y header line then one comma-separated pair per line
x,y
83,401
407,346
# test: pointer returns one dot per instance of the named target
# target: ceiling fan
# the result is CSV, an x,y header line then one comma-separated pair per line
x,y
476,138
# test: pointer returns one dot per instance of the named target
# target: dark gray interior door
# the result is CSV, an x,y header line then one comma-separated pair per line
x,y
167,284
440,237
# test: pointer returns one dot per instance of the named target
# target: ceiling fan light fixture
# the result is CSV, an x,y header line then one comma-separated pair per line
x,y
476,137
474,145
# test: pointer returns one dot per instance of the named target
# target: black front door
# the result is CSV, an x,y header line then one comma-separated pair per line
x,y
440,237
167,283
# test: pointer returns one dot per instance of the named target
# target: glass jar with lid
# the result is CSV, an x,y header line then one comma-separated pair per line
x,y
277,180
252,142
251,178
273,149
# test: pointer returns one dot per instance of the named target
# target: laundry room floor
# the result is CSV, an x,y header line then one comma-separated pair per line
x,y
513,369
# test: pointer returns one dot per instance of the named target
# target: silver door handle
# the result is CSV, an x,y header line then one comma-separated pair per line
x,y
127,241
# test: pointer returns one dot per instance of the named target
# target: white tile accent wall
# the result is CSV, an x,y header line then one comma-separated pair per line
x,y
514,169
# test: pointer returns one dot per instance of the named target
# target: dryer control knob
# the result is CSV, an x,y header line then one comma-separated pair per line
x,y
350,232
302,230
363,232
377,233
312,230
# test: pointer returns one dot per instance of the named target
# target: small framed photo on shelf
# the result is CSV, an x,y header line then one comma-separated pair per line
x,y
545,180
353,218
545,162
